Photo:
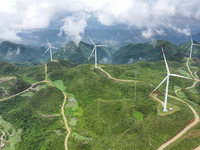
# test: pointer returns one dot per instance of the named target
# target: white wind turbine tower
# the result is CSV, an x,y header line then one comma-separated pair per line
x,y
95,51
167,84
49,49
190,49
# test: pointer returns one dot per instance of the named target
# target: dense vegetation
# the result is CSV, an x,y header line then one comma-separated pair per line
x,y
147,52
38,132
79,54
19,53
102,113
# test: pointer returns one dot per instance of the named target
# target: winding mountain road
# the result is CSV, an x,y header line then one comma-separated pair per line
x,y
2,144
155,97
182,132
196,116
189,126
65,120
115,79
62,108
45,80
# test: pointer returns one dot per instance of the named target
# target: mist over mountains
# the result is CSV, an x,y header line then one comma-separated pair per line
x,y
128,54
116,37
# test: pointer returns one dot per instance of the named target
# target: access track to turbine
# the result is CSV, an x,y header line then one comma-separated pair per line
x,y
187,127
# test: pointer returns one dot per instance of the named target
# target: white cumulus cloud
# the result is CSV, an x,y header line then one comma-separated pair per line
x,y
74,27
152,15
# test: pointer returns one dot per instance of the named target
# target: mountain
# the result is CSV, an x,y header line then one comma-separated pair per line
x,y
195,49
101,113
147,52
79,54
19,53
118,36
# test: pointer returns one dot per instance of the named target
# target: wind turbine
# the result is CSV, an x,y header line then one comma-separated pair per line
x,y
95,51
190,49
167,78
49,49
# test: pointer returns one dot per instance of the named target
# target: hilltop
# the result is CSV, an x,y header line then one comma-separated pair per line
x,y
102,113
79,54
151,51
19,53
148,52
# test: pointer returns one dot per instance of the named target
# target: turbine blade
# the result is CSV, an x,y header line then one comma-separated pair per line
x,y
189,48
176,75
191,40
91,40
196,44
91,53
101,45
46,50
54,47
165,60
160,84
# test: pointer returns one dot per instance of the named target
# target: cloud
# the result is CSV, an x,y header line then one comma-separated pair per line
x,y
185,31
150,33
13,52
74,27
151,15
131,60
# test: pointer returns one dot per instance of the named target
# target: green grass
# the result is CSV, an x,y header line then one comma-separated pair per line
x,y
80,137
183,72
190,140
36,131
169,105
73,122
7,78
41,87
104,113
29,94
13,138
59,84
29,79
193,91
176,87
181,94
137,115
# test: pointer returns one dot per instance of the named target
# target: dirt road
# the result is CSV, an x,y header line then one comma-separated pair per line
x,y
65,120
45,80
118,80
155,97
2,144
196,116
197,148
189,126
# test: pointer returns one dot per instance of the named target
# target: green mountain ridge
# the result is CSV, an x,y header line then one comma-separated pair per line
x,y
148,52
102,113
79,54
19,53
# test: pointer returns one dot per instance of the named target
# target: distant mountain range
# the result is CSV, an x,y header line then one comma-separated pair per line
x,y
79,54
151,51
19,53
118,37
